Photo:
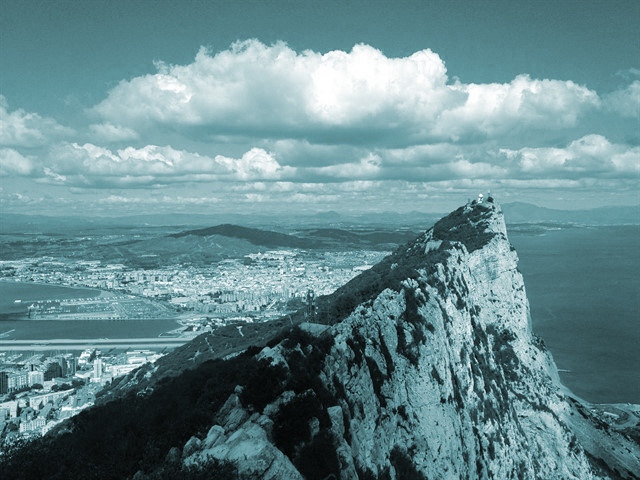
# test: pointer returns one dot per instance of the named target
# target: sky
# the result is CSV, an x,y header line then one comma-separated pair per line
x,y
300,106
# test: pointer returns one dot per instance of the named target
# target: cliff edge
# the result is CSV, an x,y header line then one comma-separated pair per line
x,y
429,370
424,366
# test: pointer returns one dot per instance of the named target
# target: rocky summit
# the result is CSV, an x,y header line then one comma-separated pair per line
x,y
423,367
437,376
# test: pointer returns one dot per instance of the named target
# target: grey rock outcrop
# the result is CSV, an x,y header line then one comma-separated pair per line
x,y
435,373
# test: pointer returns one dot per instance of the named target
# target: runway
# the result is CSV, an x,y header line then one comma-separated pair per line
x,y
81,344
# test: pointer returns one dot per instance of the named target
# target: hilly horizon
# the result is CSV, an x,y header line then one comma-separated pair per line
x,y
515,212
253,235
424,366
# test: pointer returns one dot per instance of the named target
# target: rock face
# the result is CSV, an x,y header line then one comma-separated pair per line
x,y
429,370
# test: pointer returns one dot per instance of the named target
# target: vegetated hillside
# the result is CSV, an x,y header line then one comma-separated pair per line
x,y
427,368
253,235
378,239
326,238
189,249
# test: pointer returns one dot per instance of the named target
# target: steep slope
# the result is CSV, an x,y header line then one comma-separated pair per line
x,y
436,375
423,367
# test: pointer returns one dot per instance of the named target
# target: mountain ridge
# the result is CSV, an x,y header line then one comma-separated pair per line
x,y
521,212
516,212
424,366
253,235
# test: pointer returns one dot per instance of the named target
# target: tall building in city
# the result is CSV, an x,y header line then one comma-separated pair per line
x,y
311,307
35,377
4,383
97,368
71,364
10,382
53,370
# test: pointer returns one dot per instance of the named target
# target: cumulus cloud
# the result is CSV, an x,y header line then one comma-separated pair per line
x,y
256,86
626,101
14,163
22,129
266,123
496,109
589,156
107,132
255,164
92,165
368,167
337,96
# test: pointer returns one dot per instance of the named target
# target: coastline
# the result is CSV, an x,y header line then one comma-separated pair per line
x,y
87,291
29,282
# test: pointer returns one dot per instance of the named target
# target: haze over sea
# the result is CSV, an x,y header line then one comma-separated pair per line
x,y
584,290
582,284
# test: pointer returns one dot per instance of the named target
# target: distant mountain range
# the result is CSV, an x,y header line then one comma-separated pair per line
x,y
253,235
514,213
528,213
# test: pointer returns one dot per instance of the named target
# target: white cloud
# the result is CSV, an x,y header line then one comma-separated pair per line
x,y
107,132
162,200
626,101
14,163
257,122
275,92
23,129
589,156
255,164
92,165
494,110
367,167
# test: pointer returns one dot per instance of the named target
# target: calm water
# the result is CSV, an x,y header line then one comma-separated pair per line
x,y
79,329
29,292
584,290
72,329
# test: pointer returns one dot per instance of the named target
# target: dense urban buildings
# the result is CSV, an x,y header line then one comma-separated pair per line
x,y
39,390
255,283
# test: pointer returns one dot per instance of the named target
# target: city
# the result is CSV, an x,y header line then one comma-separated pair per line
x,y
44,382
39,392
263,283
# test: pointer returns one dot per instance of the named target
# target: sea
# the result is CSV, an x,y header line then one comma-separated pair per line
x,y
583,285
26,292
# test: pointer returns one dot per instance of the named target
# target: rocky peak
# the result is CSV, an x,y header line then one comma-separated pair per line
x,y
424,366
429,370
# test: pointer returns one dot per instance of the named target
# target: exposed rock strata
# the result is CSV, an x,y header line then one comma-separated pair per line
x,y
440,377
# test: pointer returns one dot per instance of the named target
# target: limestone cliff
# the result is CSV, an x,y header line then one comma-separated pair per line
x,y
428,369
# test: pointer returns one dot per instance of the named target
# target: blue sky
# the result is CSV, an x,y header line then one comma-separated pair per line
x,y
117,107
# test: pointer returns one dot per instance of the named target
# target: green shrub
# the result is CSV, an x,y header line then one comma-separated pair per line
x,y
465,226
264,385
291,424
115,440
318,459
212,468
404,467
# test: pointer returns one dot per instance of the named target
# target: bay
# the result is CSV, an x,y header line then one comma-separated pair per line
x,y
69,329
584,292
